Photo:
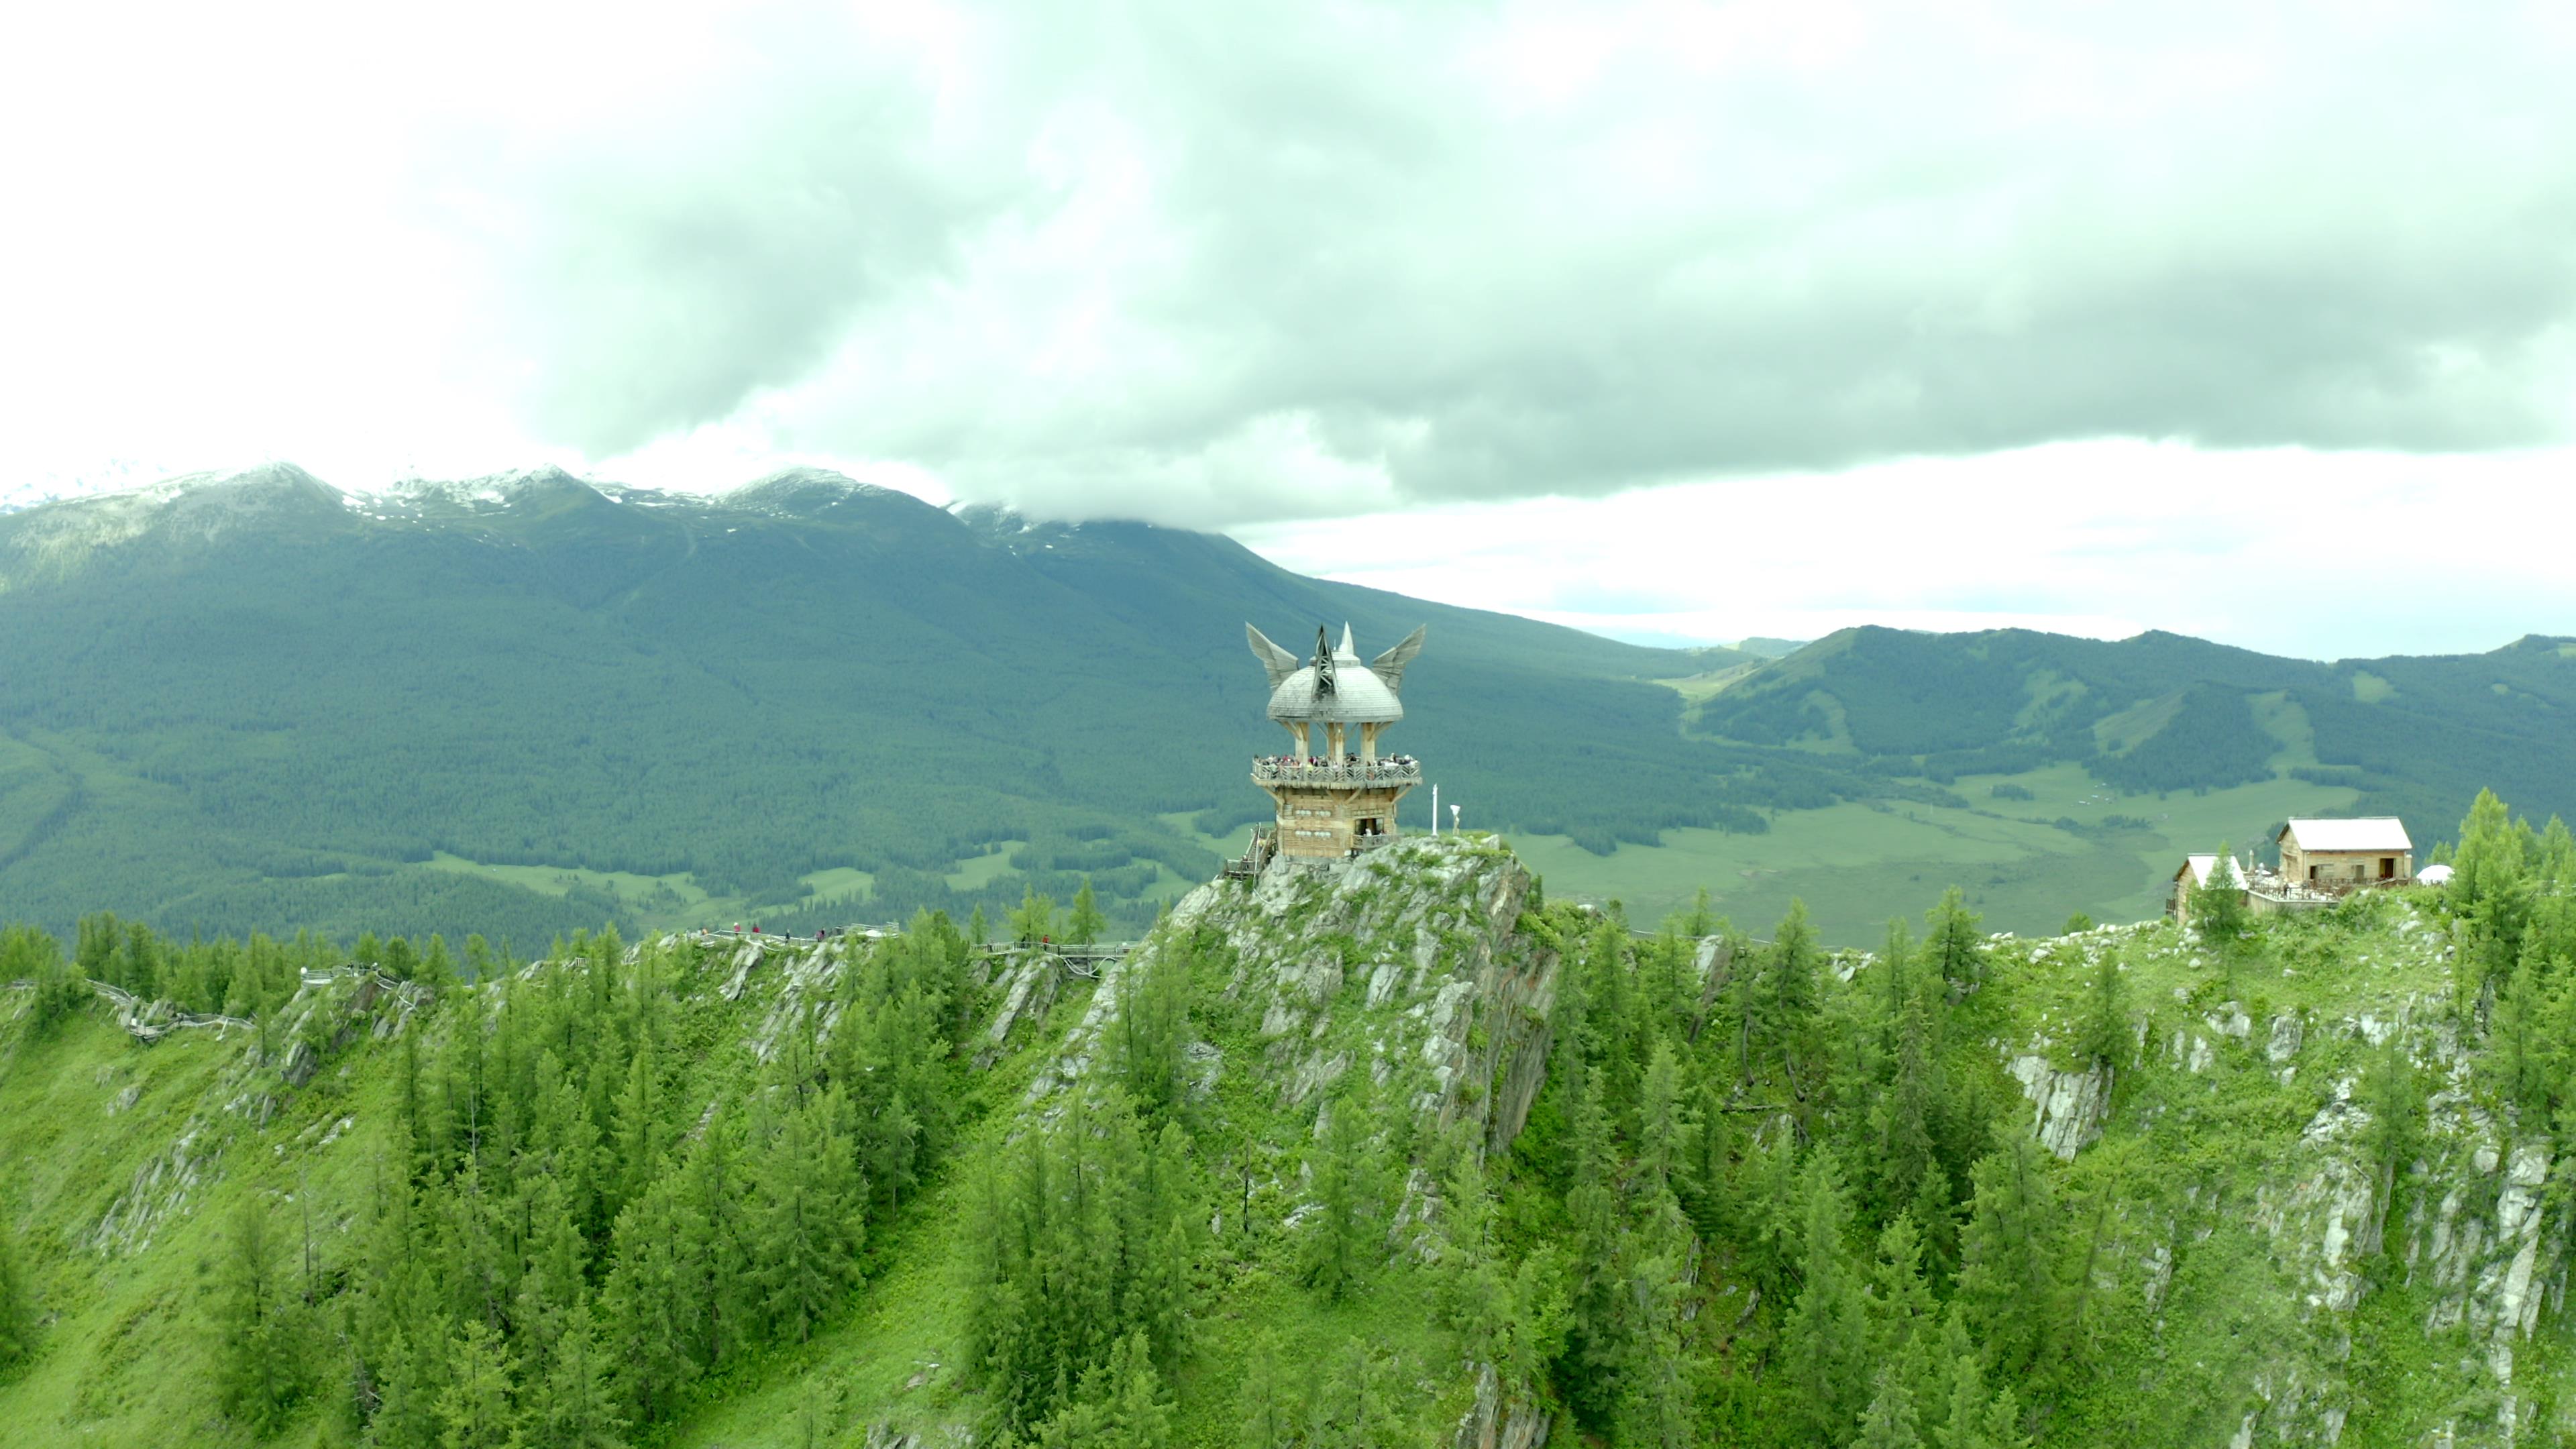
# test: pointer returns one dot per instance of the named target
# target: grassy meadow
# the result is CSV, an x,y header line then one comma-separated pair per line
x,y
2020,868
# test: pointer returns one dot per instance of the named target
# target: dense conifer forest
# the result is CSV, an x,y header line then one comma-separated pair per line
x,y
1695,1186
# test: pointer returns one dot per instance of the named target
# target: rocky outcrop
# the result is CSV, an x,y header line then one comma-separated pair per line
x,y
1412,962
2067,1107
1495,1421
2474,1241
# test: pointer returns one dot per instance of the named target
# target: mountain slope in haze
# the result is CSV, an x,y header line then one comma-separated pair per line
x,y
528,704
2162,712
532,702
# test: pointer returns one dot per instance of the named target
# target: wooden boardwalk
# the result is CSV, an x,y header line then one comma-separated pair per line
x,y
149,1021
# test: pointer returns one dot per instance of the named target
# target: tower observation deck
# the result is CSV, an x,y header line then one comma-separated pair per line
x,y
1335,794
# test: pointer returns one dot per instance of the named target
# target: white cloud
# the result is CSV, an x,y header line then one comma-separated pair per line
x,y
2288,551
1228,267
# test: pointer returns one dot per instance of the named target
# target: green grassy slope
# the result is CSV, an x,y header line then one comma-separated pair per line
x,y
2016,858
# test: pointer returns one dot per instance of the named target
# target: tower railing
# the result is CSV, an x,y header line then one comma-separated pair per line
x,y
1347,774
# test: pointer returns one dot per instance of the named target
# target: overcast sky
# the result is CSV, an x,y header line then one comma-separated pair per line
x,y
1671,320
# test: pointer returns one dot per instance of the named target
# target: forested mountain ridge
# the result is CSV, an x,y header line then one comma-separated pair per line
x,y
1399,1153
533,704
2160,712
526,704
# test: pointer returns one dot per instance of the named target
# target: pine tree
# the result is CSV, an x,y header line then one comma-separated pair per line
x,y
258,1354
2104,1035
711,1263
1154,1026
1936,1211
2008,1274
1956,945
1705,1178
1888,1422
2520,1058
1084,927
1964,1404
805,1224
658,1324
1895,964
95,951
409,1384
1034,921
27,954
1119,1405
1788,995
1345,1185
1699,922
2554,861
139,963
579,1411
1664,1121
1139,1415
1269,1419
553,1280
2494,855
1903,1113
1600,1314
476,1408
1080,1237
1901,1320
2218,906
2395,1101
1825,1343
635,1158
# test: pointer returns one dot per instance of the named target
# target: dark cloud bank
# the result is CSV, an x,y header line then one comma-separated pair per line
x,y
1216,264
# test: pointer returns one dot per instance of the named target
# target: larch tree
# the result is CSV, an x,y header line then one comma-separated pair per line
x,y
1346,1190
1787,995
805,1227
1889,1421
258,1355
1034,921
579,1409
1825,1342
477,1409
2104,1034
2008,1256
1083,928
1956,945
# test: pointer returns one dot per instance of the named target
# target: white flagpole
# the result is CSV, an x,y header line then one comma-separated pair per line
x,y
1435,812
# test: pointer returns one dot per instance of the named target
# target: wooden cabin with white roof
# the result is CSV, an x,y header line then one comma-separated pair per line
x,y
2194,875
2342,855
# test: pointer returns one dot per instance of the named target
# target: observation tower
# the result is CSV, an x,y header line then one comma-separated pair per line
x,y
1336,795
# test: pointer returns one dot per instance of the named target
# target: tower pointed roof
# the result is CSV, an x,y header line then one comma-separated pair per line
x,y
1336,687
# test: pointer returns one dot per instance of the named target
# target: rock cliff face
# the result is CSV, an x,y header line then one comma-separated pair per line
x,y
1419,974
1411,963
2479,1243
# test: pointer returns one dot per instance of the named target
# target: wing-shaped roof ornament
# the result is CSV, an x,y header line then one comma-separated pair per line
x,y
1275,661
1390,665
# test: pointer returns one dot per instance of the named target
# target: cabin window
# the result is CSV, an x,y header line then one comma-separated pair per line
x,y
2388,867
2312,872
